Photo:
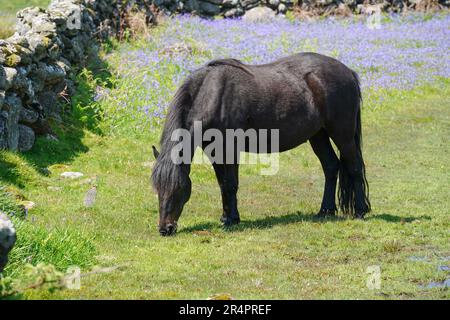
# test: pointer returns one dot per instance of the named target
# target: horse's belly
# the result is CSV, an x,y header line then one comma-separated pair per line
x,y
294,126
289,139
280,136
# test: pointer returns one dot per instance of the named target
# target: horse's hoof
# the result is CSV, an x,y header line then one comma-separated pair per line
x,y
229,221
360,215
323,213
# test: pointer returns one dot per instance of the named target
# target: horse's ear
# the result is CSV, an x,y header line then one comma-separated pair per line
x,y
155,152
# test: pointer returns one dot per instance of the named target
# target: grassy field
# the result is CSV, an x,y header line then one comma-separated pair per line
x,y
279,251
8,9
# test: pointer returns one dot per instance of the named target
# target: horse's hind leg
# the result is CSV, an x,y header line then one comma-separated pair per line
x,y
353,189
321,145
228,179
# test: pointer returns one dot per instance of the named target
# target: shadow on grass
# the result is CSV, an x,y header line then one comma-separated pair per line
x,y
15,168
48,151
271,221
396,219
264,223
14,296
9,172
65,142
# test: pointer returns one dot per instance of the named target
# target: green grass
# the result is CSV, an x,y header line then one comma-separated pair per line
x,y
278,251
61,247
13,6
7,25
8,9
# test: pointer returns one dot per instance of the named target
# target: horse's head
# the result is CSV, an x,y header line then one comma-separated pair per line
x,y
173,186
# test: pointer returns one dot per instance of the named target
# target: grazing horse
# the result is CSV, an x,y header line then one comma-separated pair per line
x,y
306,96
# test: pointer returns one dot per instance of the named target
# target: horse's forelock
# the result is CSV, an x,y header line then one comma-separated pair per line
x,y
168,176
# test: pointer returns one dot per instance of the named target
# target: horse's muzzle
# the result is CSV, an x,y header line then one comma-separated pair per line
x,y
168,230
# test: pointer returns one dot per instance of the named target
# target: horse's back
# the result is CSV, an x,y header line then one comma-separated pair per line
x,y
300,64
298,95
327,86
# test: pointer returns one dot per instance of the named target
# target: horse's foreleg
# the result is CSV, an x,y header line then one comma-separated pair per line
x,y
228,179
321,145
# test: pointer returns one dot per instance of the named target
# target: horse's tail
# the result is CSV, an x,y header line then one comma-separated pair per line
x,y
346,193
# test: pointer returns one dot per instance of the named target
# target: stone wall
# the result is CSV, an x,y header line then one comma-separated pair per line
x,y
233,8
226,8
358,6
37,62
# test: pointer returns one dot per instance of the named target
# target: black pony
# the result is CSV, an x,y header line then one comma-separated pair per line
x,y
305,96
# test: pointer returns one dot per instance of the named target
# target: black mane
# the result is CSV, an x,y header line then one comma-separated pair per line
x,y
168,176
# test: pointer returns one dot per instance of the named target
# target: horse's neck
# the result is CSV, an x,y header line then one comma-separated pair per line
x,y
166,157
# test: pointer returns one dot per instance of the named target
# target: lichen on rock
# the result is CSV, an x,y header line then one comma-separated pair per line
x,y
37,62
7,239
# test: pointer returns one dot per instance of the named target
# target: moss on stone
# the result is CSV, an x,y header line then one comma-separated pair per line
x,y
12,60
46,41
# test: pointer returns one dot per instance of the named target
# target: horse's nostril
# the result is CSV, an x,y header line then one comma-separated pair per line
x,y
168,230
